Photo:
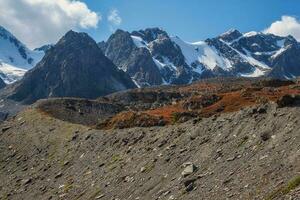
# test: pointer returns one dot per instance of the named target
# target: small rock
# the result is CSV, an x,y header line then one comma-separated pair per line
x,y
100,196
27,181
265,136
189,168
129,179
87,137
58,175
166,193
182,150
190,187
66,163
143,169
171,197
261,110
162,143
231,158
4,129
101,165
74,137
167,159
227,181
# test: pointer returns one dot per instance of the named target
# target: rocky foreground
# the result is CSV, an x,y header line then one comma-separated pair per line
x,y
250,154
215,139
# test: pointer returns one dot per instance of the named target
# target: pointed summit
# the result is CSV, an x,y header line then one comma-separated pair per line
x,y
15,57
231,35
150,34
3,31
74,67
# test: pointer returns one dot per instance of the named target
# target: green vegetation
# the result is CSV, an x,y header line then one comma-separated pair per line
x,y
115,158
243,141
149,167
292,184
175,117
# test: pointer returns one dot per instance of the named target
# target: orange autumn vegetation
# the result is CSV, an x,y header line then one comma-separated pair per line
x,y
231,100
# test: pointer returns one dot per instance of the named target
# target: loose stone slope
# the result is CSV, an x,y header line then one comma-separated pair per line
x,y
250,154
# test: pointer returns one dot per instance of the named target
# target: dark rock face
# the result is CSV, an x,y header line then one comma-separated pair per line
x,y
44,47
19,46
3,116
257,43
136,62
287,64
280,54
150,34
141,62
74,67
166,51
238,63
78,111
2,84
164,47
142,68
231,35
119,47
151,57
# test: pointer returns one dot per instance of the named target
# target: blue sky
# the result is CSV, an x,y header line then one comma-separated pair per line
x,y
39,22
192,20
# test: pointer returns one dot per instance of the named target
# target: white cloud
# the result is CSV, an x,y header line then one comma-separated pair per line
x,y
38,22
286,26
114,19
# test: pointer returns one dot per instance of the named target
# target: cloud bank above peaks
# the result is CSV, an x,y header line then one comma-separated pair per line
x,y
287,25
39,22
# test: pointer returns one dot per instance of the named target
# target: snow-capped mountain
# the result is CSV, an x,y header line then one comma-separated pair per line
x,y
15,57
152,57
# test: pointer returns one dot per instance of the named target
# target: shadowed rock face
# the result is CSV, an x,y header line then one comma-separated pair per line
x,y
74,67
2,84
231,35
168,58
136,62
79,111
150,34
141,62
287,64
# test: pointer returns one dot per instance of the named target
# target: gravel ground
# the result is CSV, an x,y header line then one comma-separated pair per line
x,y
250,154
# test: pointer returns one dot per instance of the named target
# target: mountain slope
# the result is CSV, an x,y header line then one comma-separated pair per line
x,y
241,155
15,57
173,61
74,67
136,62
2,84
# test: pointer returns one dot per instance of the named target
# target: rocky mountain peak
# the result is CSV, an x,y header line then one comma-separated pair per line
x,y
4,33
290,40
231,35
74,67
150,34
44,48
72,39
15,57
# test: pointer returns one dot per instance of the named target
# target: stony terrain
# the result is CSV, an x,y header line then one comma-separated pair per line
x,y
251,154
248,151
